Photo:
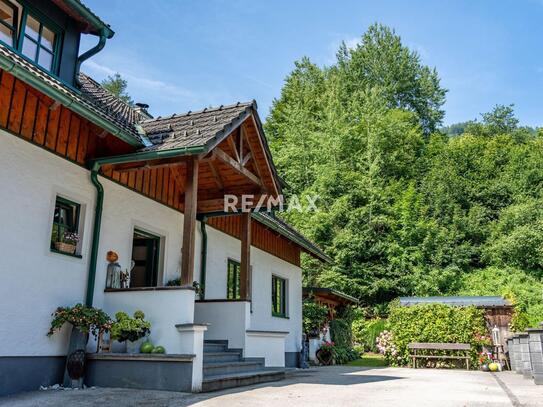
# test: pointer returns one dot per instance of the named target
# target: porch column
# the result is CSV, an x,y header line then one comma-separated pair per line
x,y
244,272
189,222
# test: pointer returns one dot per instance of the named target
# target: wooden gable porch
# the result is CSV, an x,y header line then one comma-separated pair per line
x,y
196,183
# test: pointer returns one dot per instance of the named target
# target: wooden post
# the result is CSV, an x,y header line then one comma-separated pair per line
x,y
189,222
245,266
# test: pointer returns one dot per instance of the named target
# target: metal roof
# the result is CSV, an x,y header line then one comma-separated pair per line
x,y
460,301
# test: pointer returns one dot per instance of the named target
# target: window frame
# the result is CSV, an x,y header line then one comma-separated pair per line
x,y
74,229
20,31
15,18
236,279
283,306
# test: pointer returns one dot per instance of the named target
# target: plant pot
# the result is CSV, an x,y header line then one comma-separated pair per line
x,y
325,357
134,346
65,247
485,368
78,341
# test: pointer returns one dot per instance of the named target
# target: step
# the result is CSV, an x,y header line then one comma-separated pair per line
x,y
215,347
219,382
227,356
224,368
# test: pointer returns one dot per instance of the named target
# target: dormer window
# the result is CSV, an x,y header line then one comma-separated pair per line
x,y
30,34
39,43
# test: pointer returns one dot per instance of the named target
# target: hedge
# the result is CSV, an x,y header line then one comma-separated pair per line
x,y
435,323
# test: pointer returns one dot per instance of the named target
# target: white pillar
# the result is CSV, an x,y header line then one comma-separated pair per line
x,y
192,342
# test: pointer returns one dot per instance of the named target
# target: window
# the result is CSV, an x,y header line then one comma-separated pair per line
x,y
279,297
38,43
65,220
30,34
8,23
233,280
145,255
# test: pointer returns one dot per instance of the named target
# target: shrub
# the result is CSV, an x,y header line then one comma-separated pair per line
x,y
435,323
314,316
365,332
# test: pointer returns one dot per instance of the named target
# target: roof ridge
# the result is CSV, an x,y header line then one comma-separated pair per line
x,y
204,110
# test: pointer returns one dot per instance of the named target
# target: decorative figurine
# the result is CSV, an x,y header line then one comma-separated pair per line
x,y
113,277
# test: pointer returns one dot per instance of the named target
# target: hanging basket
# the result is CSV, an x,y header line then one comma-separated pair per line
x,y
65,247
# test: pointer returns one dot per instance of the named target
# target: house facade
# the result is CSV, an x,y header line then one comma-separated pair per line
x,y
75,159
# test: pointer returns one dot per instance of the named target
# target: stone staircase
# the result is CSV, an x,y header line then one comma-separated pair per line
x,y
225,368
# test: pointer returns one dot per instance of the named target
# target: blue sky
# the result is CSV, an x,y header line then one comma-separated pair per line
x,y
180,55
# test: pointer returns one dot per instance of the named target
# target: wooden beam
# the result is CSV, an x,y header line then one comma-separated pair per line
x,y
258,173
245,264
246,159
232,145
217,204
225,158
189,222
216,175
146,164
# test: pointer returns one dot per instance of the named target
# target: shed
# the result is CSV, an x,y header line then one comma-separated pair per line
x,y
329,297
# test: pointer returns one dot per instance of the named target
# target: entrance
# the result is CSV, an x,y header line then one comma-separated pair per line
x,y
145,254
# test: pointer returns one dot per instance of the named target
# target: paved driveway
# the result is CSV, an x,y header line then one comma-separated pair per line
x,y
326,386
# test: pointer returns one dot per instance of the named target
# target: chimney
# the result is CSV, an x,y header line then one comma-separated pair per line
x,y
141,108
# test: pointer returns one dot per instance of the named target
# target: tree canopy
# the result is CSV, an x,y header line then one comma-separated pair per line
x,y
117,85
405,209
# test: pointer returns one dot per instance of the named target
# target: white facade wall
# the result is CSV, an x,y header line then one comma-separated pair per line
x,y
35,280
264,265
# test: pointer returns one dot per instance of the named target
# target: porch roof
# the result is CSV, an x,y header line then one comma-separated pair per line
x,y
329,293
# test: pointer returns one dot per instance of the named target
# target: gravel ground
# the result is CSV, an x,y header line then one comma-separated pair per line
x,y
325,386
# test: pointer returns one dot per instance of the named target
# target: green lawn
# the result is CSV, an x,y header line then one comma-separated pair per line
x,y
369,360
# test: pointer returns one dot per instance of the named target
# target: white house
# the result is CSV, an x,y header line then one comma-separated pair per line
x,y
75,158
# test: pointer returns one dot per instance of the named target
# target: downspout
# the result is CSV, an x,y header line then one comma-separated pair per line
x,y
95,233
203,258
91,52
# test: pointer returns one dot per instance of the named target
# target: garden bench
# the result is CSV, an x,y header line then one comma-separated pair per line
x,y
462,349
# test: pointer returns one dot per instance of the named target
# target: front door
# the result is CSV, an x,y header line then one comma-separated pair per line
x,y
145,254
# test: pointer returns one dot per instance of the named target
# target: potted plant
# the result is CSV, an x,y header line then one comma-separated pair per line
x,y
68,243
326,352
82,318
130,330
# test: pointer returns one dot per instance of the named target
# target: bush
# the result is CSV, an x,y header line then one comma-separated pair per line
x,y
314,316
343,354
365,332
86,319
435,323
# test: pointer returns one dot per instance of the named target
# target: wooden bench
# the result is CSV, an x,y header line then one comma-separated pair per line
x,y
462,348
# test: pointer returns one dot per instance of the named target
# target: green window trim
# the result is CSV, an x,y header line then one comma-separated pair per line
x,y
69,222
279,297
20,35
233,280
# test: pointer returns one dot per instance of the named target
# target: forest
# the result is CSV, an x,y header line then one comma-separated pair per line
x,y
407,206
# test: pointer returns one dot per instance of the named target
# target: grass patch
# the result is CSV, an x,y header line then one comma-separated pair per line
x,y
369,360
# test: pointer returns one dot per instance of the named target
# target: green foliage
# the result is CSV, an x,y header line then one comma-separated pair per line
x,y
369,361
117,85
523,290
86,319
365,332
314,316
344,354
435,323
130,329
